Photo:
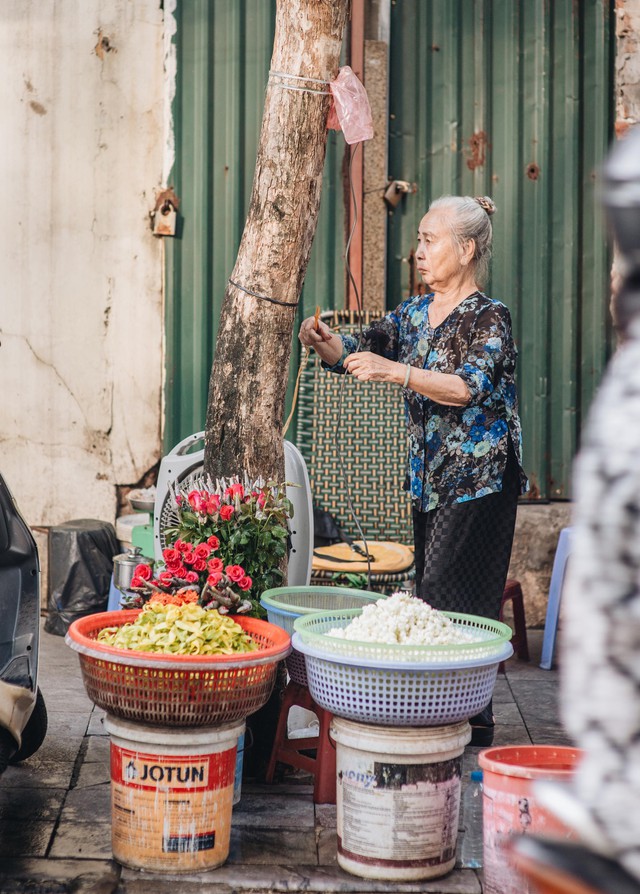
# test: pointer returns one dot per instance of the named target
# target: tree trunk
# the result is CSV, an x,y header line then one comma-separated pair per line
x,y
250,369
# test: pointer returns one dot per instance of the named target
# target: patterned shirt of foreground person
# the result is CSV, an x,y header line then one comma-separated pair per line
x,y
455,453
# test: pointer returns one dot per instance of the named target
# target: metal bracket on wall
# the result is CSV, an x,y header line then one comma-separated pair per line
x,y
398,188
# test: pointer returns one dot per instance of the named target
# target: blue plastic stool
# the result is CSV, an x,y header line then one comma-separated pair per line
x,y
555,593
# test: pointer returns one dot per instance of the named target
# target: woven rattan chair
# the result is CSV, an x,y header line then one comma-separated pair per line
x,y
362,426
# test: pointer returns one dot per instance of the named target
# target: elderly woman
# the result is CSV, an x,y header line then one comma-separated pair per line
x,y
453,354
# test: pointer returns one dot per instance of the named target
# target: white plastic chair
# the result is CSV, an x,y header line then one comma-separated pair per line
x,y
301,555
182,462
555,594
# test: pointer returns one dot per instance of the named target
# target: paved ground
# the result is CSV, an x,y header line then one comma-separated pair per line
x,y
55,828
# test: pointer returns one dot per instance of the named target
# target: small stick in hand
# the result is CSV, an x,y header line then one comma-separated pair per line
x,y
316,318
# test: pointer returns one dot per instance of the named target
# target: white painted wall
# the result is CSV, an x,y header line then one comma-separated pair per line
x,y
81,159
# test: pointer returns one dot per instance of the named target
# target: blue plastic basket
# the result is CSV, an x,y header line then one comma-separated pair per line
x,y
285,604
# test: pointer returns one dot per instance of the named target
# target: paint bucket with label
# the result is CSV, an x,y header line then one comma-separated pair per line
x,y
398,798
171,794
510,806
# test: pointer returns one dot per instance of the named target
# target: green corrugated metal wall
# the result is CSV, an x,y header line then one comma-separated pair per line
x,y
224,51
506,98
513,100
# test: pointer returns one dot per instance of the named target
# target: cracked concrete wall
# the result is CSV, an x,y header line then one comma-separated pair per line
x,y
627,64
81,353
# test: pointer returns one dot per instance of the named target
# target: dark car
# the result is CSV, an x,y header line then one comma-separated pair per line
x,y
23,715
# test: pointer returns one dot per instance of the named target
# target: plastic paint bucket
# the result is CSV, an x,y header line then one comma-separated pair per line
x,y
398,798
171,794
510,808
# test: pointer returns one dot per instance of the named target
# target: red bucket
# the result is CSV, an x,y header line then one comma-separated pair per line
x,y
510,808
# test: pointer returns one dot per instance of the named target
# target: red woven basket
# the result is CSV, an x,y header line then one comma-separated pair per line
x,y
177,690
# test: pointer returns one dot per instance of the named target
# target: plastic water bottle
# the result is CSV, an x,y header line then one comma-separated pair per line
x,y
471,851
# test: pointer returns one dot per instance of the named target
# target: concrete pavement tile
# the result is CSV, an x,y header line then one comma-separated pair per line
x,y
543,710
98,750
460,881
287,787
95,768
64,737
93,773
277,811
25,839
507,713
327,844
531,686
172,884
64,723
529,693
511,734
88,805
534,717
55,653
530,670
284,878
68,701
325,816
63,665
502,692
38,876
36,772
550,735
31,804
63,662
96,723
142,884
91,841
260,845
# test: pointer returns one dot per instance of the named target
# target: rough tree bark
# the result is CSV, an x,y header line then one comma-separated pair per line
x,y
247,388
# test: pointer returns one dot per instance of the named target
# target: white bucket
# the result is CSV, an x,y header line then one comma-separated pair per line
x,y
171,794
398,798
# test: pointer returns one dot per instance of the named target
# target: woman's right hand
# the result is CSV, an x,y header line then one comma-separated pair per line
x,y
311,337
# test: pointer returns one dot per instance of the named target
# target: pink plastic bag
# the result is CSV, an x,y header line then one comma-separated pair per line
x,y
350,110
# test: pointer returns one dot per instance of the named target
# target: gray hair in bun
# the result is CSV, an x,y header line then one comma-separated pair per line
x,y
470,218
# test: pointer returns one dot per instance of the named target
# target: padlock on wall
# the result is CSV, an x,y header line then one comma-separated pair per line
x,y
164,217
164,220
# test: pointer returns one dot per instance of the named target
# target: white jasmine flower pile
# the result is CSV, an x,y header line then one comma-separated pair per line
x,y
403,619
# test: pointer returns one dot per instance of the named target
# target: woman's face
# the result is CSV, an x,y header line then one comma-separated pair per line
x,y
438,257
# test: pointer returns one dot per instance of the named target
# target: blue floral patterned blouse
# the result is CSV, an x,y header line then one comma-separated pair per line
x,y
455,453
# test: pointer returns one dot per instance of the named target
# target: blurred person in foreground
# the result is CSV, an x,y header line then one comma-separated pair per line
x,y
452,352
600,636
600,673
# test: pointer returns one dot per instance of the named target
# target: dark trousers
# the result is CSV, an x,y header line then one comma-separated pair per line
x,y
462,552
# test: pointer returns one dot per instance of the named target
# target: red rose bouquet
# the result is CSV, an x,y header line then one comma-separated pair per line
x,y
193,574
247,524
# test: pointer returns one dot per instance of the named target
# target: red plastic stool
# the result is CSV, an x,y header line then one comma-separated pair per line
x,y
289,751
513,594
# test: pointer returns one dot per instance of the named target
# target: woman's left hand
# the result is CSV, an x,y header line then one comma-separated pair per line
x,y
369,367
